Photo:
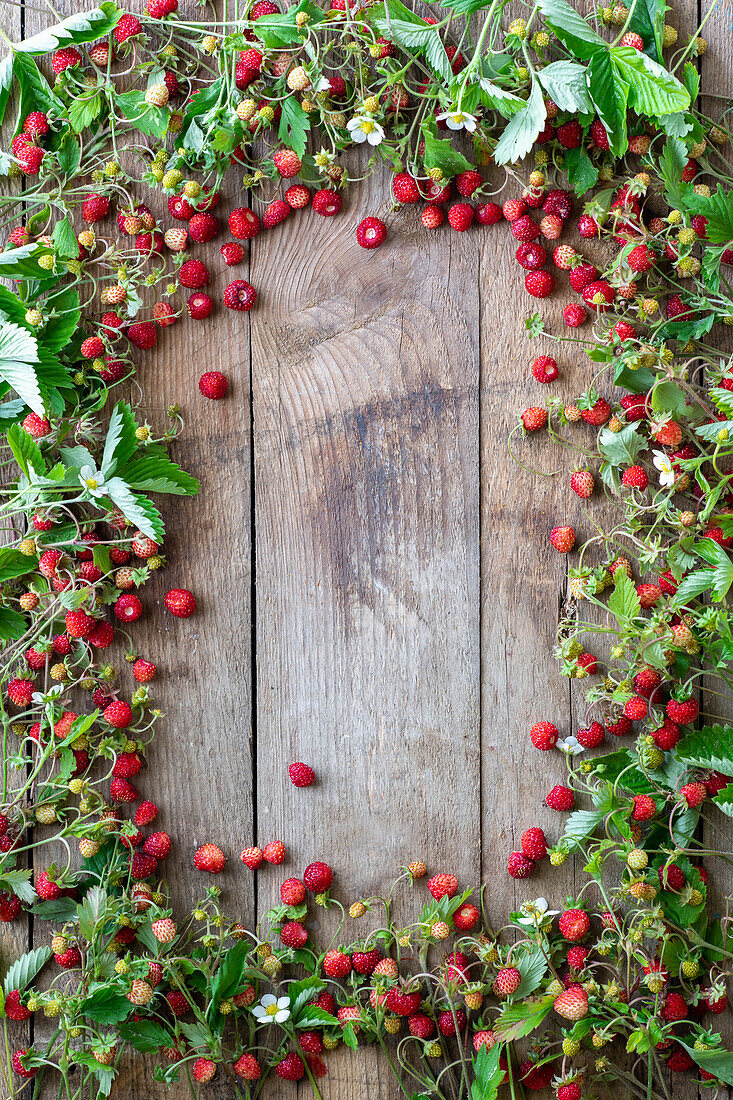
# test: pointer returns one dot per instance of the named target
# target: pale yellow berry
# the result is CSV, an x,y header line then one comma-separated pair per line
x,y
669,36
172,178
46,815
518,27
298,80
209,43
717,135
34,317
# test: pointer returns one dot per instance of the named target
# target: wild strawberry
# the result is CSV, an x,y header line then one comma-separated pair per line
x,y
193,274
674,1008
634,477
252,858
646,681
671,877
591,736
243,224
180,208
533,419
336,964
203,227
145,814
317,877
582,275
466,917
402,1002
66,58
18,1062
599,135
214,385
531,256
292,892
298,196
79,624
199,306
443,886
142,865
158,9
677,309
574,315
46,888
513,209
14,1007
247,1066
287,163
301,775
694,794
534,844
180,602
563,539
519,866
37,427
127,27
572,1004
460,216
327,203
10,906
240,296
641,258
274,852
20,692
683,712
540,284
209,857
143,335
232,253
570,134
624,330
158,844
421,1026
582,483
558,202
545,369
164,930
452,1022
405,189
507,981
576,957
365,962
371,233
120,790
291,1068
636,708
177,1002
716,1004
467,182
203,1070
525,229
489,213
632,39
294,934
598,414
544,735
118,714
277,212
94,208
649,595
574,924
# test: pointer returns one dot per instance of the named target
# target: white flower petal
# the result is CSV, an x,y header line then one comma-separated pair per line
x,y
281,1016
268,999
283,1002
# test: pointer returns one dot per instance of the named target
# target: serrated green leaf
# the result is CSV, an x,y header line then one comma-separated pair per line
x,y
724,800
18,359
23,970
78,28
160,475
717,1062
149,120
653,90
532,966
294,125
621,448
12,624
64,239
488,1074
572,30
710,747
566,84
440,153
522,129
624,602
609,93
25,451
144,1035
137,509
647,19
105,1006
14,564
582,172
121,442
517,1021
59,329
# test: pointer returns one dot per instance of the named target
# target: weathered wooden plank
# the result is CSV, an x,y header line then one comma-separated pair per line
x,y
365,398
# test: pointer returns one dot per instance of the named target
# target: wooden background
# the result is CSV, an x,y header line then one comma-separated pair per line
x,y
376,591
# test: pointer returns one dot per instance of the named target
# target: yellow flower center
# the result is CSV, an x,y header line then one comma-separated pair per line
x,y
91,483
271,1010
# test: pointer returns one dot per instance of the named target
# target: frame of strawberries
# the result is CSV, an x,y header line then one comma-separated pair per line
x,y
625,985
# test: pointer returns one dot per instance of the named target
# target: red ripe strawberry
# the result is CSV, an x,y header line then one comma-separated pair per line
x,y
326,1002
94,208
149,242
145,814
10,907
576,957
291,1068
672,877
46,888
203,227
507,981
37,427
632,39
199,306
371,233
443,886
434,192
667,583
524,229
158,845
694,794
18,1063
700,224
158,9
364,962
599,135
402,1002
468,182
301,775
599,295
180,208
252,59
649,595
243,224
213,384
287,163
180,602
572,1004
716,1004
14,1007
317,877
588,227
177,1002
404,188
432,216
519,866
545,369
120,790
327,203
582,275
247,1067
533,419
61,645
460,216
127,27
570,134
243,75
118,714
142,865
667,736
558,202
646,681
336,964
78,624
143,335
635,477
466,917
534,844
683,712
294,934
636,708
292,892
203,1070
102,635
274,852
240,296
310,1042
574,924
36,660
645,808
451,1022
20,692
421,1026
489,213
540,284
640,258
674,1008
263,7
232,253
544,735
592,736
531,256
193,274
582,483
252,858
563,539
66,58
209,857
513,209
677,310
598,414
297,196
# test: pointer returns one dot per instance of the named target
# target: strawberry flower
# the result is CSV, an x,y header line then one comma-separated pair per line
x,y
92,480
272,1010
458,120
663,463
535,913
571,746
365,129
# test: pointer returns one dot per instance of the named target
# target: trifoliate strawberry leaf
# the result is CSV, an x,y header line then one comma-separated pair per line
x,y
159,475
104,1006
624,602
710,747
312,1016
566,84
23,970
302,992
653,90
294,125
491,95
521,131
609,93
86,107
621,448
572,30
